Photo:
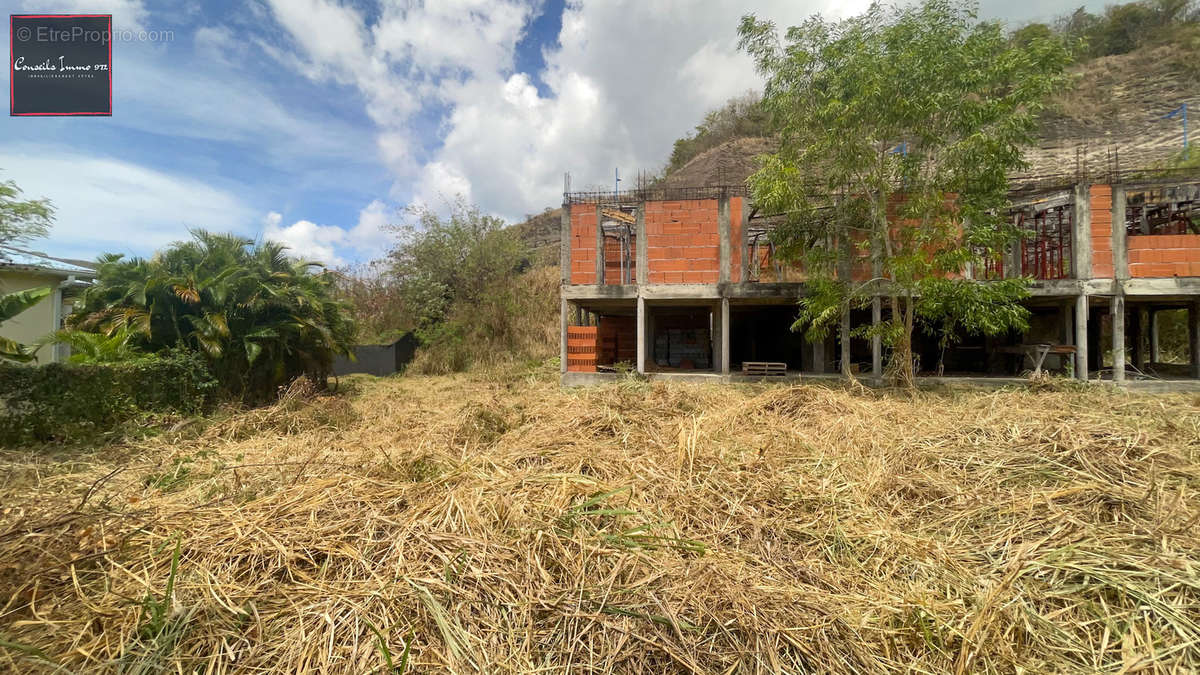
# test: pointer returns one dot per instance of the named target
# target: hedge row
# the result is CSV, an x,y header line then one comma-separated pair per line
x,y
62,402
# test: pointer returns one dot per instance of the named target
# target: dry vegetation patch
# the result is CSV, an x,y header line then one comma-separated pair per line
x,y
500,524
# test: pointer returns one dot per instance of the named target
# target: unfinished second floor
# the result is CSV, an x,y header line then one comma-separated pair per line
x,y
1086,237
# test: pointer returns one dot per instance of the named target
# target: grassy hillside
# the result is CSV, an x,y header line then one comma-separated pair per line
x,y
500,524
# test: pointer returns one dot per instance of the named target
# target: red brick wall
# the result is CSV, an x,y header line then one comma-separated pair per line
x,y
583,244
1164,255
617,340
682,244
1102,253
612,261
581,348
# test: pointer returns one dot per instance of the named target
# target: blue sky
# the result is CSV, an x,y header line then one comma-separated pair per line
x,y
315,122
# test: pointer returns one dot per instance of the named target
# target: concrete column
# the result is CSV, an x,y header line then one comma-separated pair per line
x,y
641,334
1081,233
876,340
723,234
640,244
845,340
564,243
725,330
1010,260
599,246
562,351
1153,328
1118,337
1194,337
818,349
1119,245
1081,337
1142,326
845,275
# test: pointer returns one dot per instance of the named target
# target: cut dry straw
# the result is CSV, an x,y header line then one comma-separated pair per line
x,y
504,525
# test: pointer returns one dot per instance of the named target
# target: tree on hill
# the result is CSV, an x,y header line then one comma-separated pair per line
x,y
741,117
1123,28
897,132
259,317
456,258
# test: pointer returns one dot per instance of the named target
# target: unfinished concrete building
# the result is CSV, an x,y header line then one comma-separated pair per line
x,y
685,281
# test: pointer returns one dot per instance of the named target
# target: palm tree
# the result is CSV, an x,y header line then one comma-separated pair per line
x,y
260,317
12,304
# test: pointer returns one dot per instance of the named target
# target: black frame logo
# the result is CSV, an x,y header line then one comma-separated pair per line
x,y
60,65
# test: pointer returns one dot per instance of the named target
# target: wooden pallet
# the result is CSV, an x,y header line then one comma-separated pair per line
x,y
764,368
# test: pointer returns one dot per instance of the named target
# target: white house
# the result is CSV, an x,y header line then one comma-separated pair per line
x,y
22,270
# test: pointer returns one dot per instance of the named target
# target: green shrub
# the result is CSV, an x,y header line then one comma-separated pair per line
x,y
60,402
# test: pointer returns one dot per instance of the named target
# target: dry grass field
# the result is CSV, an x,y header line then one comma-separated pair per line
x,y
495,523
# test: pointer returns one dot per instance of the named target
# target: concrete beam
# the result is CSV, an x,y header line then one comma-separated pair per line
x,y
723,230
1171,286
598,292
1081,338
1081,232
818,350
681,291
1117,307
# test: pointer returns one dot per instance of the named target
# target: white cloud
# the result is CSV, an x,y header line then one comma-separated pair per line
x,y
127,14
106,204
627,79
322,243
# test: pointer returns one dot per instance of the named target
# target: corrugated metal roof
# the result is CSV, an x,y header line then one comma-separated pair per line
x,y
15,258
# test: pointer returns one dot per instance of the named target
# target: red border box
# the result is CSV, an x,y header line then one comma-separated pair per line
x,y
12,68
